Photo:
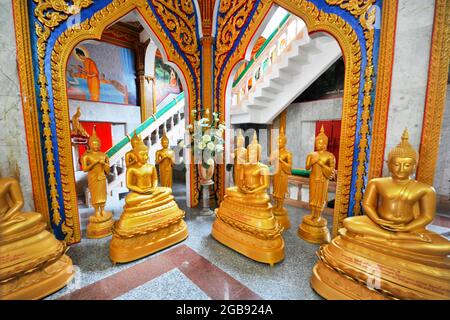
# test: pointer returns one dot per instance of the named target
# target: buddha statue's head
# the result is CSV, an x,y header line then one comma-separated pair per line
x,y
281,139
139,153
165,141
240,140
321,142
94,141
402,159
254,150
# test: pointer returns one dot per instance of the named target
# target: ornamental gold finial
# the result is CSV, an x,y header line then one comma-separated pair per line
x,y
137,143
94,139
164,137
404,149
322,135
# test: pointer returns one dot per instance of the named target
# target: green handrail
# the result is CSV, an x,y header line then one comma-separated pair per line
x,y
144,125
263,47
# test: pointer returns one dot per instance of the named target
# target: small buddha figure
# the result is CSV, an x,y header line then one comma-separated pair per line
x,y
165,159
96,164
77,128
151,219
280,180
33,263
412,262
322,165
245,221
240,156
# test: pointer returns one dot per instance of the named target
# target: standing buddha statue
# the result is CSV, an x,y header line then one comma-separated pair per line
x,y
96,164
244,220
165,159
322,165
388,252
151,219
280,180
33,264
240,156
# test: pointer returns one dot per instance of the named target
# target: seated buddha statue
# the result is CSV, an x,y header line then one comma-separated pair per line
x,y
33,263
391,238
151,219
245,221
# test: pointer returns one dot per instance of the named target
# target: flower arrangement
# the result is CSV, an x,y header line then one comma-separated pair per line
x,y
207,137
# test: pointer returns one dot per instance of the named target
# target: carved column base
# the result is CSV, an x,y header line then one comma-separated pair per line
x,y
269,251
282,218
99,227
334,286
39,283
126,249
351,267
314,231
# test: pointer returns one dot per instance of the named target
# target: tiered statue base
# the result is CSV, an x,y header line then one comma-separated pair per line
x,y
138,234
100,227
250,230
314,231
351,267
33,264
282,218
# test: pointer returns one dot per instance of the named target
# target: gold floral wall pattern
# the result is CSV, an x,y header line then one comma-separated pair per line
x,y
55,34
352,23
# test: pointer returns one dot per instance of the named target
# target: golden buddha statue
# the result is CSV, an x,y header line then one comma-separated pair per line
x,y
77,128
240,155
280,180
322,165
96,164
165,159
244,220
33,263
388,253
151,219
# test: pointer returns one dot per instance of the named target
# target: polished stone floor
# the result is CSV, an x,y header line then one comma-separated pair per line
x,y
198,268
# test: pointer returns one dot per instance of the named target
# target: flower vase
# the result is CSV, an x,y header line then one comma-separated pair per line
x,y
205,175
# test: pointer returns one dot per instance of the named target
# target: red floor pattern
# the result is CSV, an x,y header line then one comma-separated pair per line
x,y
212,280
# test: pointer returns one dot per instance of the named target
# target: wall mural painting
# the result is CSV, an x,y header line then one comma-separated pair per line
x,y
167,81
90,77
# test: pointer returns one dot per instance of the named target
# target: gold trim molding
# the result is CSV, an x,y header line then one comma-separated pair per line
x,y
436,93
383,91
29,106
50,14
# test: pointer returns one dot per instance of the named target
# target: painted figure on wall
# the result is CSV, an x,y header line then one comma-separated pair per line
x,y
88,71
102,80
167,81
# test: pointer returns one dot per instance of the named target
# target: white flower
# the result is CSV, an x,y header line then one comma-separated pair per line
x,y
210,161
206,138
211,146
219,148
201,145
222,126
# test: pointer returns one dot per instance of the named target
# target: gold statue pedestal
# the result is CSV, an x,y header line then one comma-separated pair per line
x,y
282,217
351,267
34,266
139,233
314,231
100,226
250,230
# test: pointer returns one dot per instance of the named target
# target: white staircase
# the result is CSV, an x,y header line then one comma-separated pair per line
x,y
169,118
303,59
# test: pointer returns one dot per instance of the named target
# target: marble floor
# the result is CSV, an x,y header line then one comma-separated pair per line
x,y
198,268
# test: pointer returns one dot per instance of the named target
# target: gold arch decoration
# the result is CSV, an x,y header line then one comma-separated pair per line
x,y
51,14
316,20
436,93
